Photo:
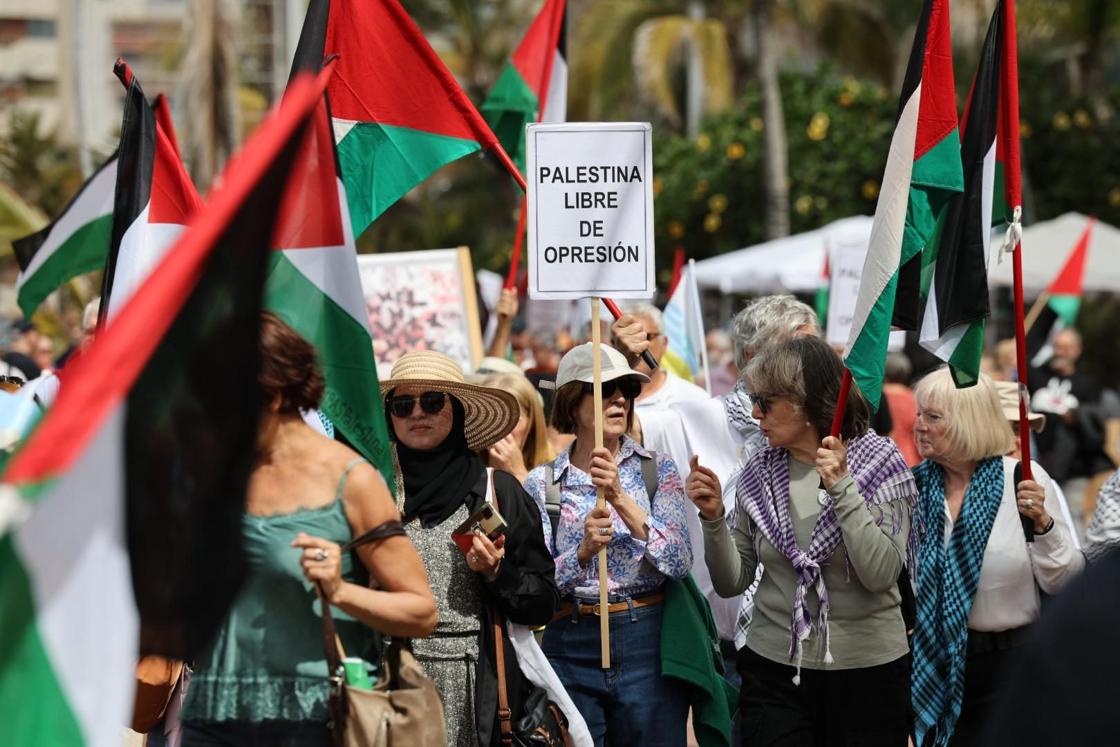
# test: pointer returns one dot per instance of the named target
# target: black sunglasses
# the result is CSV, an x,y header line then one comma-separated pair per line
x,y
764,401
628,385
401,405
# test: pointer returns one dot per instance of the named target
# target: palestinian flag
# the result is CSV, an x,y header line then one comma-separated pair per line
x,y
956,266
533,86
120,519
154,201
76,242
162,110
923,171
313,283
820,298
1063,300
398,113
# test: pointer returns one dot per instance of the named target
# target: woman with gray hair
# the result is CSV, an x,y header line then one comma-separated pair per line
x,y
826,656
978,575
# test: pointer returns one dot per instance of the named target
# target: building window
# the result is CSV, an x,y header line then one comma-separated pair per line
x,y
41,28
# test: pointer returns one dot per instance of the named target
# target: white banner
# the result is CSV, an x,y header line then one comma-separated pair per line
x,y
590,210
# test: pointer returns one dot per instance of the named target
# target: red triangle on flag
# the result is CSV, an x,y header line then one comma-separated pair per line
x,y
1068,281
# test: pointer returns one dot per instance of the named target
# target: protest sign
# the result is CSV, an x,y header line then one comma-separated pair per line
x,y
846,258
423,300
590,200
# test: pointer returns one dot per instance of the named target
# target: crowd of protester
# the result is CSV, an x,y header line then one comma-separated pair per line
x,y
768,583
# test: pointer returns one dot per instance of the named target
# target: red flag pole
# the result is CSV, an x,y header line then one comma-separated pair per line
x,y
515,259
841,403
1021,360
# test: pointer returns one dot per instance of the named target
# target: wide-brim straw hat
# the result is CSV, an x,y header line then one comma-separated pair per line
x,y
490,413
1008,392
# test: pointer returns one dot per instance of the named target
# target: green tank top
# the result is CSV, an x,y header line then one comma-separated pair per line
x,y
266,662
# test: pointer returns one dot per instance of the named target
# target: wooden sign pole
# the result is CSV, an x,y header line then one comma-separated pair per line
x,y
604,598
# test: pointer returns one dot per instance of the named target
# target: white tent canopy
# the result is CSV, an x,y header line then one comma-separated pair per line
x,y
792,263
1048,244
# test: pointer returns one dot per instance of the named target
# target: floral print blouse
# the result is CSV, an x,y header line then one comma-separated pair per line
x,y
634,566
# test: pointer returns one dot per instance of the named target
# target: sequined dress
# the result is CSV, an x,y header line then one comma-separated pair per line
x,y
450,654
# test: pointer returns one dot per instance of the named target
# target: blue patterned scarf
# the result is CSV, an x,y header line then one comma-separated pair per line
x,y
948,576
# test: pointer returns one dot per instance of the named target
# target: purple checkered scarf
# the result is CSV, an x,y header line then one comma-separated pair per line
x,y
887,487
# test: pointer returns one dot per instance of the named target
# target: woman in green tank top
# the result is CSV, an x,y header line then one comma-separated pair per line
x,y
263,680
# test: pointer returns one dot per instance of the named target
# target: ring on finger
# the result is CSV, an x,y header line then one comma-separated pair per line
x,y
320,554
604,531
1030,503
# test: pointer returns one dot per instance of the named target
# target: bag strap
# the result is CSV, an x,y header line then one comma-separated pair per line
x,y
505,715
392,528
649,475
552,498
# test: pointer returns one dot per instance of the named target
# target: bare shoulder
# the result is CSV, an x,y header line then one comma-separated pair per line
x,y
366,496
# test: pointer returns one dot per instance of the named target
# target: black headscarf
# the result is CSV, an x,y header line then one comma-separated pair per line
x,y
437,481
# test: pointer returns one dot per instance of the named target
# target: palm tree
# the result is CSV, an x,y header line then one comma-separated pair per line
x,y
209,83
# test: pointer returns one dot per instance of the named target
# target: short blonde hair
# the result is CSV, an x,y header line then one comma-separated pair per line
x,y
537,450
975,426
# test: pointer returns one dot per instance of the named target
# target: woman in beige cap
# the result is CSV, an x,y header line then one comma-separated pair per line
x,y
438,423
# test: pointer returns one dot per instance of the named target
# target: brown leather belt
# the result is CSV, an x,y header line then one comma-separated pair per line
x,y
565,610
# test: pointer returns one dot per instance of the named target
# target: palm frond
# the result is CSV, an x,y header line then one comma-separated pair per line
x,y
658,44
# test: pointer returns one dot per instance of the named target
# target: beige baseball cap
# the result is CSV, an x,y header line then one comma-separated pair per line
x,y
1008,392
576,365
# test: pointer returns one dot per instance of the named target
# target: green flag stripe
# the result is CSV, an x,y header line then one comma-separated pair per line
x,y
381,163
936,177
353,399
1066,307
36,711
83,251
866,360
510,106
964,361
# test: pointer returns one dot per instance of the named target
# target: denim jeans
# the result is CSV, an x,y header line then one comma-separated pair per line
x,y
630,703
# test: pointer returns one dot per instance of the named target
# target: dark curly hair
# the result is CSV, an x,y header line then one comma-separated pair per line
x,y
289,367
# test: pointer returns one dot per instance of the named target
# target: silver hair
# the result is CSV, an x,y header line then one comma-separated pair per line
x,y
647,310
89,314
768,320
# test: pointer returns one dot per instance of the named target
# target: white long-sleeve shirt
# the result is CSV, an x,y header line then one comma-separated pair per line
x,y
1013,571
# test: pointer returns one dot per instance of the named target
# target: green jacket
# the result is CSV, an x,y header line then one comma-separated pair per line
x,y
690,652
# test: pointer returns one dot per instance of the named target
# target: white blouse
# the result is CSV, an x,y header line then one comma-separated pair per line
x,y
1012,571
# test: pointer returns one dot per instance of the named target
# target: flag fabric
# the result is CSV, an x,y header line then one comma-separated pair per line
x,y
162,110
154,200
76,242
1063,300
533,86
923,171
956,265
120,518
313,284
820,299
684,324
397,112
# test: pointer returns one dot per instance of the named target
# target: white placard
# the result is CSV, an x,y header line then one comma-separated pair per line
x,y
845,261
590,199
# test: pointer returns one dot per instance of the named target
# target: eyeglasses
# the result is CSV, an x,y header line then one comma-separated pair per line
x,y
765,401
402,405
628,385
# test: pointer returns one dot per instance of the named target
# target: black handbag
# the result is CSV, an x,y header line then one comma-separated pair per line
x,y
541,722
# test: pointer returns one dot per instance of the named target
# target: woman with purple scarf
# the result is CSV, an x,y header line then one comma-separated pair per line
x,y
826,659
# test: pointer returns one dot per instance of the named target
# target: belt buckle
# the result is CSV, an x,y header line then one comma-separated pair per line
x,y
597,610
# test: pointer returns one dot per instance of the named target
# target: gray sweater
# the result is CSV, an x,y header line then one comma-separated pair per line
x,y
865,619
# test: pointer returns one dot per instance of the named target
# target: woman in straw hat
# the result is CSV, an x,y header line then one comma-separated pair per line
x,y
437,423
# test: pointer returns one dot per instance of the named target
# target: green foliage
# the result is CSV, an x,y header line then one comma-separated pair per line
x,y
1070,158
40,170
710,191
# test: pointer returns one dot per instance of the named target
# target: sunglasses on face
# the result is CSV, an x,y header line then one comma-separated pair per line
x,y
764,401
402,405
630,387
